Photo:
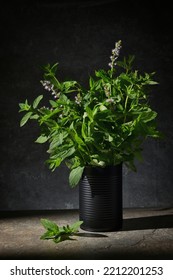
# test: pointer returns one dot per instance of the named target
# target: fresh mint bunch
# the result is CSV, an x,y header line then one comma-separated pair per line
x,y
103,124
59,234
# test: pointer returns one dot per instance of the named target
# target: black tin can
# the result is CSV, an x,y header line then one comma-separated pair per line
x,y
100,198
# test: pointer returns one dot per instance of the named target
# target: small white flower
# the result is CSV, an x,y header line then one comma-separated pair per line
x,y
47,88
53,92
110,100
115,54
77,99
107,91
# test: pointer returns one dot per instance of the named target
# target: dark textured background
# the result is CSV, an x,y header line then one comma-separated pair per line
x,y
79,35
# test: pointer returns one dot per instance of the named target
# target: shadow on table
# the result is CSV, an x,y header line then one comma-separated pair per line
x,y
152,222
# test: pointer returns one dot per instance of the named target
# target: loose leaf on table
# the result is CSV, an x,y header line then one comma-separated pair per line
x,y
59,234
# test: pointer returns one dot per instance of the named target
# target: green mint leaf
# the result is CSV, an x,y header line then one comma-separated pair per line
x,y
41,139
25,119
76,225
37,101
75,175
49,225
48,235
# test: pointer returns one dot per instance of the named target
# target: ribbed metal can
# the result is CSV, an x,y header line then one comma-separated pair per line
x,y
100,198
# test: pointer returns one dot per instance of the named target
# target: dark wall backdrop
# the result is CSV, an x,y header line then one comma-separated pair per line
x,y
79,35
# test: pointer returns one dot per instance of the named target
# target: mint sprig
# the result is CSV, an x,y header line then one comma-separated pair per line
x,y
59,234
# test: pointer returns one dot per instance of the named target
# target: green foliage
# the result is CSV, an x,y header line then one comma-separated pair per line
x,y
104,124
75,175
59,234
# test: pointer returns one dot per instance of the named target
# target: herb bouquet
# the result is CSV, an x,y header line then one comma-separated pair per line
x,y
102,125
94,130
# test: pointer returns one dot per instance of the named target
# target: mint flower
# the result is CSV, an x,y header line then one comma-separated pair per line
x,y
115,54
110,100
107,90
50,87
47,85
78,99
